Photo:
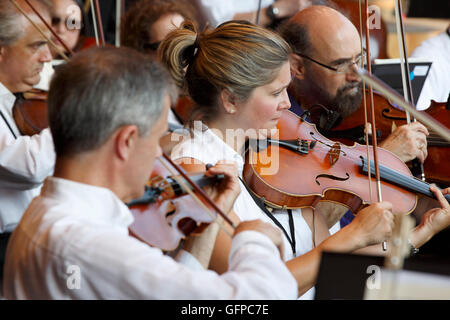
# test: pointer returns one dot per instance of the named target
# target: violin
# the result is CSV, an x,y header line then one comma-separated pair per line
x,y
166,213
387,118
303,167
30,112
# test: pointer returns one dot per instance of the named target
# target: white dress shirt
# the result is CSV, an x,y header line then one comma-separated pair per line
x,y
219,11
437,84
24,164
46,76
73,243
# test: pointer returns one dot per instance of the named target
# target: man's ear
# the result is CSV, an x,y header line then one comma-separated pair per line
x,y
125,141
228,101
297,66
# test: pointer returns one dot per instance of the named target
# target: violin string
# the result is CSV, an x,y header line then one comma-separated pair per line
x,y
324,148
191,193
387,173
366,131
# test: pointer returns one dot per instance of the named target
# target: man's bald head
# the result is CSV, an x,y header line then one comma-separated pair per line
x,y
317,29
323,41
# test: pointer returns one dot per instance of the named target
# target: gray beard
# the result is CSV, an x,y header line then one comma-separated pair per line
x,y
346,104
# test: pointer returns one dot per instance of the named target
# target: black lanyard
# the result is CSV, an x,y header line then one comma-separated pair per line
x,y
7,123
262,206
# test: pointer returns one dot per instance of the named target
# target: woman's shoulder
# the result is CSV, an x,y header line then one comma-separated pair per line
x,y
198,145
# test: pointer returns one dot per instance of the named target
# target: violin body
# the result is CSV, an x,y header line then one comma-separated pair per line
x,y
387,118
30,112
435,166
325,171
165,222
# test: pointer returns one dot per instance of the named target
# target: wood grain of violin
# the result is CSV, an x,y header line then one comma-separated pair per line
x,y
323,170
30,112
387,118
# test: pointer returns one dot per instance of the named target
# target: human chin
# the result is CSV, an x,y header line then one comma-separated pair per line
x,y
33,79
348,100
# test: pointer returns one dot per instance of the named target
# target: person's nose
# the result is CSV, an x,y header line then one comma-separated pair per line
x,y
285,104
351,75
59,28
46,55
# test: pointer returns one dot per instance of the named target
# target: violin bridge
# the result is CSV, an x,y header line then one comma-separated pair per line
x,y
333,154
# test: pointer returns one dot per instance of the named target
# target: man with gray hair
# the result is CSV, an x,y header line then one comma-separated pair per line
x,y
108,107
25,161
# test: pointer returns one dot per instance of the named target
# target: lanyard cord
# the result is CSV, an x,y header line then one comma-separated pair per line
x,y
7,123
262,206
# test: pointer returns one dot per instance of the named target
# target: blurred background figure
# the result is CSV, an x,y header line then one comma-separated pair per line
x,y
148,22
437,84
67,21
271,12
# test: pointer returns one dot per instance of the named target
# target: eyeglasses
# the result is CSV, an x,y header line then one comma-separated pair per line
x,y
344,67
152,46
70,23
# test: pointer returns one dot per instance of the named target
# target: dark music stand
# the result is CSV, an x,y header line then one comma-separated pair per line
x,y
389,71
343,276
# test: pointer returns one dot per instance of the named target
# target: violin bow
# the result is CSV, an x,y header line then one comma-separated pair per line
x,y
372,111
391,94
366,121
60,52
200,191
406,78
97,23
120,9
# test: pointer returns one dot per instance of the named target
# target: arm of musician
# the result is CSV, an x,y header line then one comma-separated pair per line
x,y
201,246
371,225
26,161
303,268
433,221
408,142
170,140
222,245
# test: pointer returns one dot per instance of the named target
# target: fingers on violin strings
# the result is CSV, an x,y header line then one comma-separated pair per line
x,y
226,168
439,196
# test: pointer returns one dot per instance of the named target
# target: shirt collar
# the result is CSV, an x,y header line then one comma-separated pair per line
x,y
97,204
7,98
227,152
